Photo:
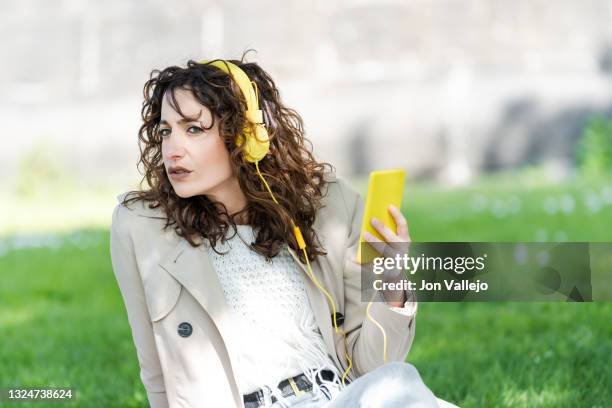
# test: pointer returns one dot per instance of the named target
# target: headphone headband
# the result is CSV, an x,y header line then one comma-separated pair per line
x,y
247,87
257,139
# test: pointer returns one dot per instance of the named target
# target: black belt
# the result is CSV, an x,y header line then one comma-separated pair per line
x,y
288,387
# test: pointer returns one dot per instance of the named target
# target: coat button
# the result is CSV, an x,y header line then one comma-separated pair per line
x,y
339,319
185,329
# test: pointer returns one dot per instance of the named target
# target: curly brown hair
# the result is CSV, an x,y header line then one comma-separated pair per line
x,y
295,177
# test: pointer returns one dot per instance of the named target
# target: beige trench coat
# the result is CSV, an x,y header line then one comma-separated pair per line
x,y
164,282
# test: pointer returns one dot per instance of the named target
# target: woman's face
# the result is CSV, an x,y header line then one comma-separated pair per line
x,y
186,143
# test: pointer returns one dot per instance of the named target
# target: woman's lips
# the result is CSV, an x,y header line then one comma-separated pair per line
x,y
179,176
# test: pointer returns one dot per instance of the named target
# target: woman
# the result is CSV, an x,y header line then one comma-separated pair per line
x,y
236,263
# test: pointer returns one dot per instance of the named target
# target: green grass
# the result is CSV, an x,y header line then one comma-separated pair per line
x,y
63,324
514,354
62,321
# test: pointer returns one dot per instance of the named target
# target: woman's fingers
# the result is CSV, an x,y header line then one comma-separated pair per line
x,y
402,224
388,235
383,230
393,244
380,246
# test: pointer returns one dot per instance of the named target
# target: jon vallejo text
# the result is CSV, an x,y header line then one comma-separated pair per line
x,y
412,264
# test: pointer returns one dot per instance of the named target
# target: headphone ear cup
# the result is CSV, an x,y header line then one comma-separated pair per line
x,y
257,142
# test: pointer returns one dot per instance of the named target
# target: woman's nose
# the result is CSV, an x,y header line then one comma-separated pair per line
x,y
175,147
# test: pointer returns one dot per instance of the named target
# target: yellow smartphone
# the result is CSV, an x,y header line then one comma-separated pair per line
x,y
385,187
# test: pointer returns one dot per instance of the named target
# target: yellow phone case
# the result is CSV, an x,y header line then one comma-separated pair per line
x,y
385,187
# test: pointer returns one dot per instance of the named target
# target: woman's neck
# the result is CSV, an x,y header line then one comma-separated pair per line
x,y
231,196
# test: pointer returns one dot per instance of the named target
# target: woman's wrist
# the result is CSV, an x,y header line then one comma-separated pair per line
x,y
395,299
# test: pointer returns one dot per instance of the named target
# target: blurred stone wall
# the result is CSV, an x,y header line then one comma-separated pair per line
x,y
445,88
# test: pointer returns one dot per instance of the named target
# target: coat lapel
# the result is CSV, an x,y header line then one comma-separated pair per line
x,y
193,269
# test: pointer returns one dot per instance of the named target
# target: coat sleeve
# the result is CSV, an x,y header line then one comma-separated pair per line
x,y
130,285
364,338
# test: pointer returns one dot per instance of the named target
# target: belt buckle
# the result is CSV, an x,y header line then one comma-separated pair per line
x,y
295,388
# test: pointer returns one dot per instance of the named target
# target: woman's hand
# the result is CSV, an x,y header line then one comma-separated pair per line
x,y
394,244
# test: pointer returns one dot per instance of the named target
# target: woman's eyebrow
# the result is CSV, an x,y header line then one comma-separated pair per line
x,y
181,121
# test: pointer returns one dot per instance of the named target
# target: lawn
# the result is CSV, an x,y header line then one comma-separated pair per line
x,y
515,354
62,321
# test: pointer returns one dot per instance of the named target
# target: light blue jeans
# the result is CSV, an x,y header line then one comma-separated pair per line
x,y
391,385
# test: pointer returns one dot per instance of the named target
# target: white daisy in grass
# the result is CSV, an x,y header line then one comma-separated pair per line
x,y
592,201
499,209
606,194
515,204
479,202
560,236
551,206
541,235
567,203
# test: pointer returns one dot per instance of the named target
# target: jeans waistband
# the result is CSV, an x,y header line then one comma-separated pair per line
x,y
288,387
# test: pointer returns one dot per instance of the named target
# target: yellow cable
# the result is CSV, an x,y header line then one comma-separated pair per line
x,y
265,183
382,330
300,240
338,330
302,245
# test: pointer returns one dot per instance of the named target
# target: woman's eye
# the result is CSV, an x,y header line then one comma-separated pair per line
x,y
194,129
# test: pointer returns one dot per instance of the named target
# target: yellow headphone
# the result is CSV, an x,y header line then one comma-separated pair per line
x,y
255,132
257,146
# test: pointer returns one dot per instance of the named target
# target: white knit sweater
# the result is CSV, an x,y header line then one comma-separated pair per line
x,y
276,334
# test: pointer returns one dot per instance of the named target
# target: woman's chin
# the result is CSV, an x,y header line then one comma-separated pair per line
x,y
183,192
